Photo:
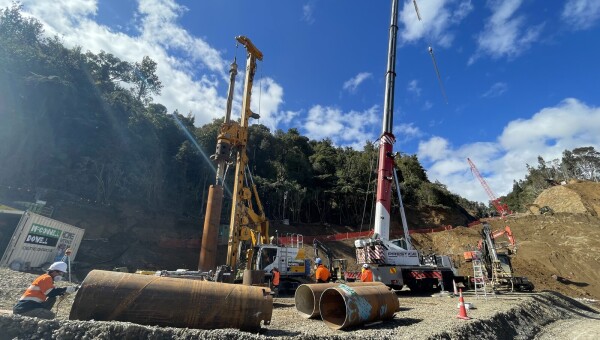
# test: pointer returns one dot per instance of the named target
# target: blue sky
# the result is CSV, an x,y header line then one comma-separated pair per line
x,y
521,76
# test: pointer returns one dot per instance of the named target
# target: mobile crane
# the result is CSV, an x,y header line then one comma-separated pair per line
x,y
390,262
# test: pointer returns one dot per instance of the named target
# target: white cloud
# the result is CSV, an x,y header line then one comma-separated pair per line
x,y
307,13
413,87
353,83
549,132
505,33
406,132
343,128
496,90
159,25
437,19
59,16
581,14
427,105
434,149
267,97
179,54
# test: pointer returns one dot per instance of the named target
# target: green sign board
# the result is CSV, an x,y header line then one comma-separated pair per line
x,y
42,235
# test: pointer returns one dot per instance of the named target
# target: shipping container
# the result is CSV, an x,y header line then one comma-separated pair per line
x,y
38,241
9,219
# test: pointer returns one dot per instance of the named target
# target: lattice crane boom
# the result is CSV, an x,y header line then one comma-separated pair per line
x,y
500,207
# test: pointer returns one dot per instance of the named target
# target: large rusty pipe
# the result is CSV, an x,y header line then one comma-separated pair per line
x,y
210,235
307,296
253,277
164,301
344,306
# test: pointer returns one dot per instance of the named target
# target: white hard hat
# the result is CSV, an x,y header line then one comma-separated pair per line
x,y
365,265
60,266
318,260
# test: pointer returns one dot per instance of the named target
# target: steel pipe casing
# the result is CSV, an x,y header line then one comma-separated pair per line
x,y
307,296
253,277
210,233
173,302
346,306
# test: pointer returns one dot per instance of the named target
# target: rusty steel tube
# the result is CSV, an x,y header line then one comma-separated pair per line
x,y
253,277
346,306
164,301
307,296
210,235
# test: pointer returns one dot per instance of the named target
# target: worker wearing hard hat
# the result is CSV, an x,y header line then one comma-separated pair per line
x,y
322,274
366,275
39,298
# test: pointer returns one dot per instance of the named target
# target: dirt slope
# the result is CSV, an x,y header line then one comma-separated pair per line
x,y
576,198
559,252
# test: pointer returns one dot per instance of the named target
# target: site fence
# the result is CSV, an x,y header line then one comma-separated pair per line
x,y
287,239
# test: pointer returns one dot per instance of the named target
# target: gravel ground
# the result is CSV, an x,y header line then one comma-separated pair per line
x,y
543,315
581,329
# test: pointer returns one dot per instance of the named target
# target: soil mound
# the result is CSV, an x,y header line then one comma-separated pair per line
x,y
576,198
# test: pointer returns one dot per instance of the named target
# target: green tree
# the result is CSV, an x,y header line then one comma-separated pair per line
x,y
144,79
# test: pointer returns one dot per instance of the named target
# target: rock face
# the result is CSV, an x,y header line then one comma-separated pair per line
x,y
576,198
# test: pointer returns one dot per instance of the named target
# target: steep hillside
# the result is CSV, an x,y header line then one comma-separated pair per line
x,y
559,252
575,198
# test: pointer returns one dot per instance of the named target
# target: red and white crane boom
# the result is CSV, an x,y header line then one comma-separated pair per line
x,y
502,208
387,139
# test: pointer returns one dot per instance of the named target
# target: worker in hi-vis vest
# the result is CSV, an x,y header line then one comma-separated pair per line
x,y
275,280
366,275
40,296
322,273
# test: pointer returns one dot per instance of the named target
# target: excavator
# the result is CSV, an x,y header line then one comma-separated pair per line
x,y
497,266
337,267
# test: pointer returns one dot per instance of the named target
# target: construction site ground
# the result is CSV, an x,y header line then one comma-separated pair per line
x,y
558,252
539,315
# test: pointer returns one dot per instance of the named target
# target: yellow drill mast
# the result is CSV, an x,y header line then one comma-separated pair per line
x,y
245,223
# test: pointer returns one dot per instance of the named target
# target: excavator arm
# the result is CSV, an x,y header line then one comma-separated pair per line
x,y
318,245
506,231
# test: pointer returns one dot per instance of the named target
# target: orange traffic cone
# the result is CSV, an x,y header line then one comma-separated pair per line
x,y
462,311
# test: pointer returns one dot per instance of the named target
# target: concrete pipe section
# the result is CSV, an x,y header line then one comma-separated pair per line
x,y
307,296
346,306
173,302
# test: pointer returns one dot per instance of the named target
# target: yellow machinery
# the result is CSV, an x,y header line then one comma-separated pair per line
x,y
248,227
245,222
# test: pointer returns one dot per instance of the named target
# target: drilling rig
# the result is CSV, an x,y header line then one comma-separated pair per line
x,y
496,261
249,249
392,264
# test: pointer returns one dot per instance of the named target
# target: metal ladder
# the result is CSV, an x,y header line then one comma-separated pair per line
x,y
480,280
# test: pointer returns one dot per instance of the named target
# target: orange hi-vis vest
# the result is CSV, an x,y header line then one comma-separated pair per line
x,y
40,287
366,276
275,278
322,273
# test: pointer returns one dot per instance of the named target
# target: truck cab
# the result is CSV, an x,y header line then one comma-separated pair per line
x,y
290,261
